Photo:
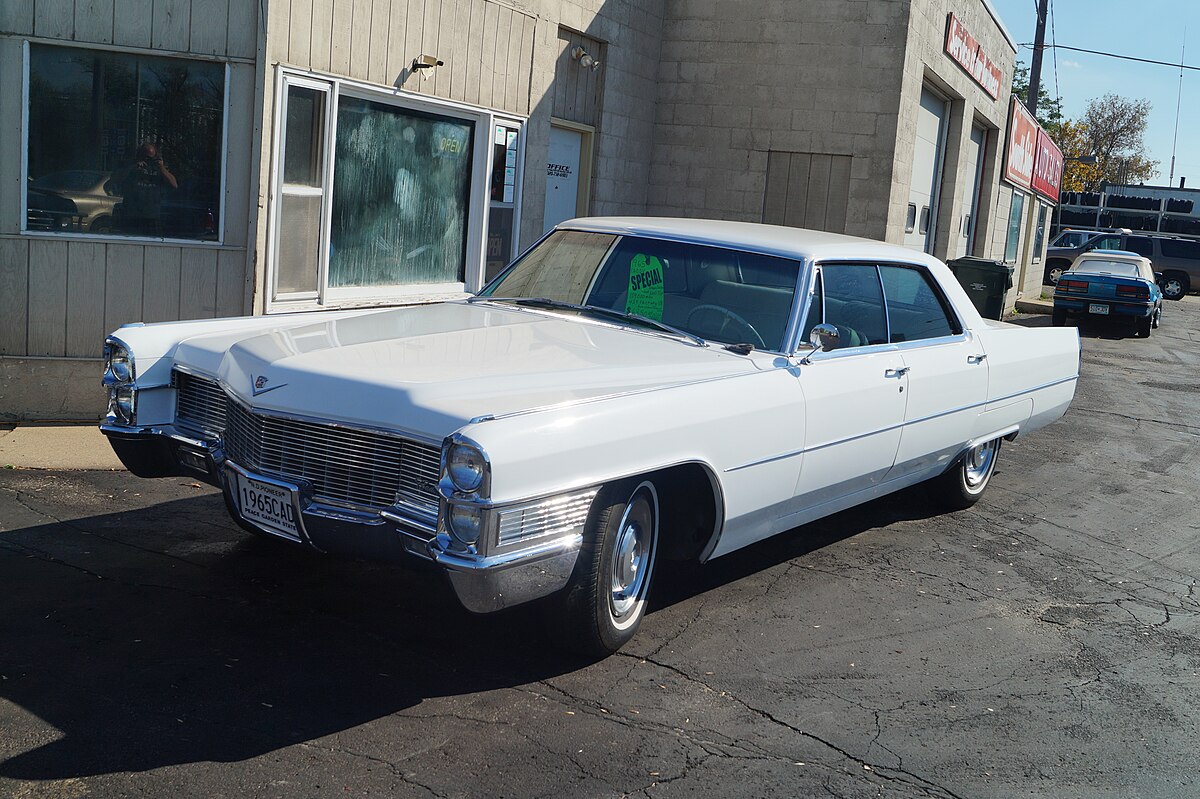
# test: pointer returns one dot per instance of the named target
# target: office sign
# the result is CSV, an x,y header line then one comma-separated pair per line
x,y
968,54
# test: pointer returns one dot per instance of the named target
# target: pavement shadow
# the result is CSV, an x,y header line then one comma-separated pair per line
x,y
237,648
164,635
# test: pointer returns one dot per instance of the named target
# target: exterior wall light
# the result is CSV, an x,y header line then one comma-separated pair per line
x,y
584,58
425,64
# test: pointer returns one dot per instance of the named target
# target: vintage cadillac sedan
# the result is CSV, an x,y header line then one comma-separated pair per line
x,y
626,391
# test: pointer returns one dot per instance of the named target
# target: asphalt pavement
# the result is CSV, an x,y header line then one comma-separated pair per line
x,y
1044,643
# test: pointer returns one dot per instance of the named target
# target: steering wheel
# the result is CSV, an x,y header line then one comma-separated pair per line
x,y
729,316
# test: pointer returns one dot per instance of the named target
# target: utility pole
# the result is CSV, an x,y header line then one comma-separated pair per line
x,y
1035,68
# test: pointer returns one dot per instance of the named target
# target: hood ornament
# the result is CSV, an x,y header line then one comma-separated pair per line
x,y
260,385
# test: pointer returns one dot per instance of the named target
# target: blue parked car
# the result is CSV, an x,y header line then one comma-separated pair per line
x,y
1110,283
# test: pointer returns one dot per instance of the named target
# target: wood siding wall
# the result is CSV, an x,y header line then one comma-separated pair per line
x,y
59,296
809,190
577,90
487,46
202,27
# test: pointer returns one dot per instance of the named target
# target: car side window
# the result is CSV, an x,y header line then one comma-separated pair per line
x,y
853,303
1139,244
916,310
1106,243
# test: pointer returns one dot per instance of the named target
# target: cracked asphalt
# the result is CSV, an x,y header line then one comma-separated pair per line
x,y
1044,643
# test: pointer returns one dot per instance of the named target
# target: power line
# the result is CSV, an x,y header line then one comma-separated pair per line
x,y
1115,55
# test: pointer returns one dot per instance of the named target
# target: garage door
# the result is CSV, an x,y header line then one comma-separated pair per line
x,y
970,208
926,173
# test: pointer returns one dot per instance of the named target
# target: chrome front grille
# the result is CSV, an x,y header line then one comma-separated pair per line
x,y
200,405
343,465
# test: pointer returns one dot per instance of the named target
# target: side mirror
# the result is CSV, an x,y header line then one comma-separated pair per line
x,y
824,337
1158,277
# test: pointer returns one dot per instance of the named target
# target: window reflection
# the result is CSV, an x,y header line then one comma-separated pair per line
x,y
123,144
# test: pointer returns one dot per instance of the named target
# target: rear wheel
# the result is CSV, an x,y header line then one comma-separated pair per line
x,y
961,486
1144,324
1174,285
606,600
1058,317
1156,318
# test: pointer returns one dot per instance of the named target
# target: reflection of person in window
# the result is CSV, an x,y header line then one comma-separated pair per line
x,y
142,185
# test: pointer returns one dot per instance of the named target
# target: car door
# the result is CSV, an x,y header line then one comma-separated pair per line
x,y
853,394
947,371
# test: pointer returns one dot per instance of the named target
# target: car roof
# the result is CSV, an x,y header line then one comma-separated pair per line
x,y
1113,255
788,242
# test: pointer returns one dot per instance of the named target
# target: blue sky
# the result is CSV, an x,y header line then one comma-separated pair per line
x,y
1146,29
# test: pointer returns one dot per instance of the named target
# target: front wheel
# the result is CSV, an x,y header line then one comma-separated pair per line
x,y
1053,272
963,484
606,600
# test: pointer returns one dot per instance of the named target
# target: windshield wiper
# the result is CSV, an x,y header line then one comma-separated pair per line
x,y
624,316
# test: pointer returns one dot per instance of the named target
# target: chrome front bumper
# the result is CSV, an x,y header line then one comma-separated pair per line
x,y
482,582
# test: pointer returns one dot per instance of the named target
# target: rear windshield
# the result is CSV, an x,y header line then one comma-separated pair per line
x,y
1096,266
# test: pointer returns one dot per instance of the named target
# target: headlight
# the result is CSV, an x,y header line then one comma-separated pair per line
x,y
122,404
465,522
119,375
118,364
465,466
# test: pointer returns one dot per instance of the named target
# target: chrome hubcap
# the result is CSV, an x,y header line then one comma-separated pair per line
x,y
631,553
977,465
1172,288
1055,274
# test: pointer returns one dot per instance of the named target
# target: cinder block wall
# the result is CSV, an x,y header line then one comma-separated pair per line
x,y
738,81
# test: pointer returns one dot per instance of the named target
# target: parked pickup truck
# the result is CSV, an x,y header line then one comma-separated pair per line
x,y
629,389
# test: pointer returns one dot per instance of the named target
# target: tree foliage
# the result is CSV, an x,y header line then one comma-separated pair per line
x,y
1115,127
1049,113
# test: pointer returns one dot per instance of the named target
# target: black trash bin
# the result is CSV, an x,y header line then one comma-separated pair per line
x,y
986,282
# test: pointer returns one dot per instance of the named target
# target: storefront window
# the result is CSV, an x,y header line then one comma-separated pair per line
x,y
1039,233
123,144
380,197
1015,214
399,196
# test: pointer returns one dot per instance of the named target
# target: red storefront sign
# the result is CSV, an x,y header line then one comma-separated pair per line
x,y
962,47
1020,152
1031,158
1047,167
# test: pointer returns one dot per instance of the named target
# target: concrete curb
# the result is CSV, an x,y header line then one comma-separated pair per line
x,y
1037,305
63,447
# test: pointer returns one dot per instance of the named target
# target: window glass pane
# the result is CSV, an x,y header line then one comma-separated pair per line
x,y
503,193
299,237
1015,214
124,144
915,310
1179,248
400,196
302,136
854,304
1140,244
1039,236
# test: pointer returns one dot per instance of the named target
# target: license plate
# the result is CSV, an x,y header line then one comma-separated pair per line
x,y
1100,309
266,504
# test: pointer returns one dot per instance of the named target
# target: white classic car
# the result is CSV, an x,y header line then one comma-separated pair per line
x,y
628,389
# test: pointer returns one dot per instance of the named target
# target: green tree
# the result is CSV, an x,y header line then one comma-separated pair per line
x,y
1049,113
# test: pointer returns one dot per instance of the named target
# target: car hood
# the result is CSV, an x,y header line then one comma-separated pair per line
x,y
430,369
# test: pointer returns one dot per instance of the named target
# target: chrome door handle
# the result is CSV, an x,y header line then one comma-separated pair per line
x,y
901,372
976,358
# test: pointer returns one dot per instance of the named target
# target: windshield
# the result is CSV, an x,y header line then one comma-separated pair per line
x,y
723,295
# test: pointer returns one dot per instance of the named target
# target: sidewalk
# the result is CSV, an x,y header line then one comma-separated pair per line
x,y
66,447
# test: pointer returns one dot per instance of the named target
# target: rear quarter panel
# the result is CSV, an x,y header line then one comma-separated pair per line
x,y
1032,373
